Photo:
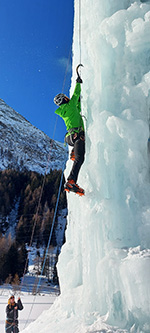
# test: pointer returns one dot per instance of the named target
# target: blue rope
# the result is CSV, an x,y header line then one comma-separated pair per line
x,y
48,244
50,236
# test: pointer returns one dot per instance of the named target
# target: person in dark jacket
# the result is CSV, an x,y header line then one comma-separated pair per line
x,y
69,110
12,315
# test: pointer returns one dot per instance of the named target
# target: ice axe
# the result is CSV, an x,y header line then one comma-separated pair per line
x,y
77,68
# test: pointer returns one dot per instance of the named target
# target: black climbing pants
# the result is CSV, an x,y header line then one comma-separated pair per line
x,y
77,141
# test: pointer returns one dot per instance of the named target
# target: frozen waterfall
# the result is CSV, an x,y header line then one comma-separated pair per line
x,y
104,267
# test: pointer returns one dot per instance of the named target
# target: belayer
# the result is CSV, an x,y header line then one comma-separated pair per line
x,y
12,315
69,110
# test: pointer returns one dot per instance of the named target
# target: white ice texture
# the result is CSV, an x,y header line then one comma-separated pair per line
x,y
104,267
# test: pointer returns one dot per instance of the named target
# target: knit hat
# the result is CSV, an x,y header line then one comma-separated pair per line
x,y
9,302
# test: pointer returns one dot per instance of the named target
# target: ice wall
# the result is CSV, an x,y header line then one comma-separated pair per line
x,y
104,267
98,260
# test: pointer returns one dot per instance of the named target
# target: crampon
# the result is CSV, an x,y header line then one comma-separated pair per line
x,y
71,186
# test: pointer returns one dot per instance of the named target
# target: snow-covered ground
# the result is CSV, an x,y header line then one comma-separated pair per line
x,y
34,305
38,305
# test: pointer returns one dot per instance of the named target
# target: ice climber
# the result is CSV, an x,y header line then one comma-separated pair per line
x,y
12,315
69,110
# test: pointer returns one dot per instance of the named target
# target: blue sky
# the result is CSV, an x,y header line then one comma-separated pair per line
x,y
35,40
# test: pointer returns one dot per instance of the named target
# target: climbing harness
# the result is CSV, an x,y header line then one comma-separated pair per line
x,y
74,130
11,325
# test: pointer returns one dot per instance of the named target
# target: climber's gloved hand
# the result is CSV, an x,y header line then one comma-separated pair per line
x,y
79,80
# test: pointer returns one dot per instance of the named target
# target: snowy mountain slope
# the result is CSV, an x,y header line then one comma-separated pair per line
x,y
24,146
104,267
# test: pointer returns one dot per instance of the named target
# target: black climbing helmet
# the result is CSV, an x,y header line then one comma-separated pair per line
x,y
61,99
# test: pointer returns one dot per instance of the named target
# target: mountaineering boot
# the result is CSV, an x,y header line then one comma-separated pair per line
x,y
71,186
72,155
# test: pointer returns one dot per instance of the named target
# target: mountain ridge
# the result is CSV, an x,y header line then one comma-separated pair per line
x,y
23,146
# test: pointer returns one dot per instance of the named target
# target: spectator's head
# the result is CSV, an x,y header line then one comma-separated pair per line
x,y
11,300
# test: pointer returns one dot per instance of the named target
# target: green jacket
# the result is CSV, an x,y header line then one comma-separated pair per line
x,y
70,112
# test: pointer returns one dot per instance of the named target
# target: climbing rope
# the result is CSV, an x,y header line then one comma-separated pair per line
x,y
148,144
48,244
80,41
56,207
54,218
38,207
67,67
44,179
